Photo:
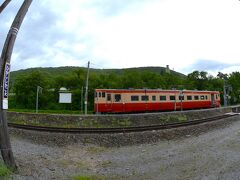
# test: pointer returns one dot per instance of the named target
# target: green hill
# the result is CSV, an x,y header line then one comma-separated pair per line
x,y
53,72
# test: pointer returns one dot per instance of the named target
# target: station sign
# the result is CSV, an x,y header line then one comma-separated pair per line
x,y
6,85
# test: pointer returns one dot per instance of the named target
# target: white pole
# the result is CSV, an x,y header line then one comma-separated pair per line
x,y
39,88
82,100
175,102
37,100
86,92
97,102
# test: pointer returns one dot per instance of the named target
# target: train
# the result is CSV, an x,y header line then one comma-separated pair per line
x,y
153,100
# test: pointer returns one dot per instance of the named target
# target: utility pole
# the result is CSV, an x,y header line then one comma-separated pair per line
x,y
182,98
4,4
86,91
82,99
5,59
225,93
39,89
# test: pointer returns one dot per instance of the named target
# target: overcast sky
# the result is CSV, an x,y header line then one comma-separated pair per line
x,y
187,35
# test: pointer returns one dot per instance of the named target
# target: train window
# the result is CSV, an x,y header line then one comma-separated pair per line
x,y
108,97
154,98
172,98
206,97
163,98
196,97
117,97
181,98
189,98
134,98
216,96
99,94
95,94
202,97
144,98
103,94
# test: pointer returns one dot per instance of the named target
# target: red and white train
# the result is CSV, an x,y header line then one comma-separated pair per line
x,y
147,100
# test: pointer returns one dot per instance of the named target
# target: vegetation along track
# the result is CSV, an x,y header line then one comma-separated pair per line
x,y
120,129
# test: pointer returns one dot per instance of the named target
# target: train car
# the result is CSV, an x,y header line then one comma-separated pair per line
x,y
150,100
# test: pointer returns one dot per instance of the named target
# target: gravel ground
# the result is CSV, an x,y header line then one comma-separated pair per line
x,y
209,154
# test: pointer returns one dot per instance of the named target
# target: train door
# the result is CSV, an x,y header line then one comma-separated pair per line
x,y
123,102
145,98
212,100
119,105
109,102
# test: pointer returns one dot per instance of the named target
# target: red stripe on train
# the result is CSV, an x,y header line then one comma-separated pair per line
x,y
140,107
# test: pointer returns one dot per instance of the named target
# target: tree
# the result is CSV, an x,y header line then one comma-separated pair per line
x,y
25,89
234,81
198,80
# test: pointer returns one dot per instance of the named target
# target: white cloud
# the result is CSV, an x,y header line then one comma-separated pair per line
x,y
170,32
118,34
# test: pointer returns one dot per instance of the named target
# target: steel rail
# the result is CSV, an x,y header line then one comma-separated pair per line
x,y
119,129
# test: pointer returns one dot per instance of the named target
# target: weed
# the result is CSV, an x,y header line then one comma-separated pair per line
x,y
4,171
94,149
88,178
105,163
48,111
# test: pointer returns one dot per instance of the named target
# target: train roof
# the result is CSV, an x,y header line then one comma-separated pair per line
x,y
153,90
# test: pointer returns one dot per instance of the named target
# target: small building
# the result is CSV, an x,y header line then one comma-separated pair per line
x,y
167,69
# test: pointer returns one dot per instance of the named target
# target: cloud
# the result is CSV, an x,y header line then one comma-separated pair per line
x,y
210,65
48,35
127,33
109,8
213,67
39,39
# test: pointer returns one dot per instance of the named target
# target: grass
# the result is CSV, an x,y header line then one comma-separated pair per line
x,y
4,171
106,163
88,178
173,118
93,123
48,111
97,177
95,150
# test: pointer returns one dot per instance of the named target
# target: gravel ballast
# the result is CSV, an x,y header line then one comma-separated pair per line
x,y
206,151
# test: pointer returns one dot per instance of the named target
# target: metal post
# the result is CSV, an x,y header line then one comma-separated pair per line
x,y
224,93
181,95
175,103
5,145
86,92
181,104
97,102
37,101
39,88
4,4
82,99
224,77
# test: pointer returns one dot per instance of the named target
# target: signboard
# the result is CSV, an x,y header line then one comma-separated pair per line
x,y
65,97
6,85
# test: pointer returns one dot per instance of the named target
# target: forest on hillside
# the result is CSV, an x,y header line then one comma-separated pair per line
x,y
23,85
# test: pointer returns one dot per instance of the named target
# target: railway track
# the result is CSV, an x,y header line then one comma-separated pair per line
x,y
120,129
